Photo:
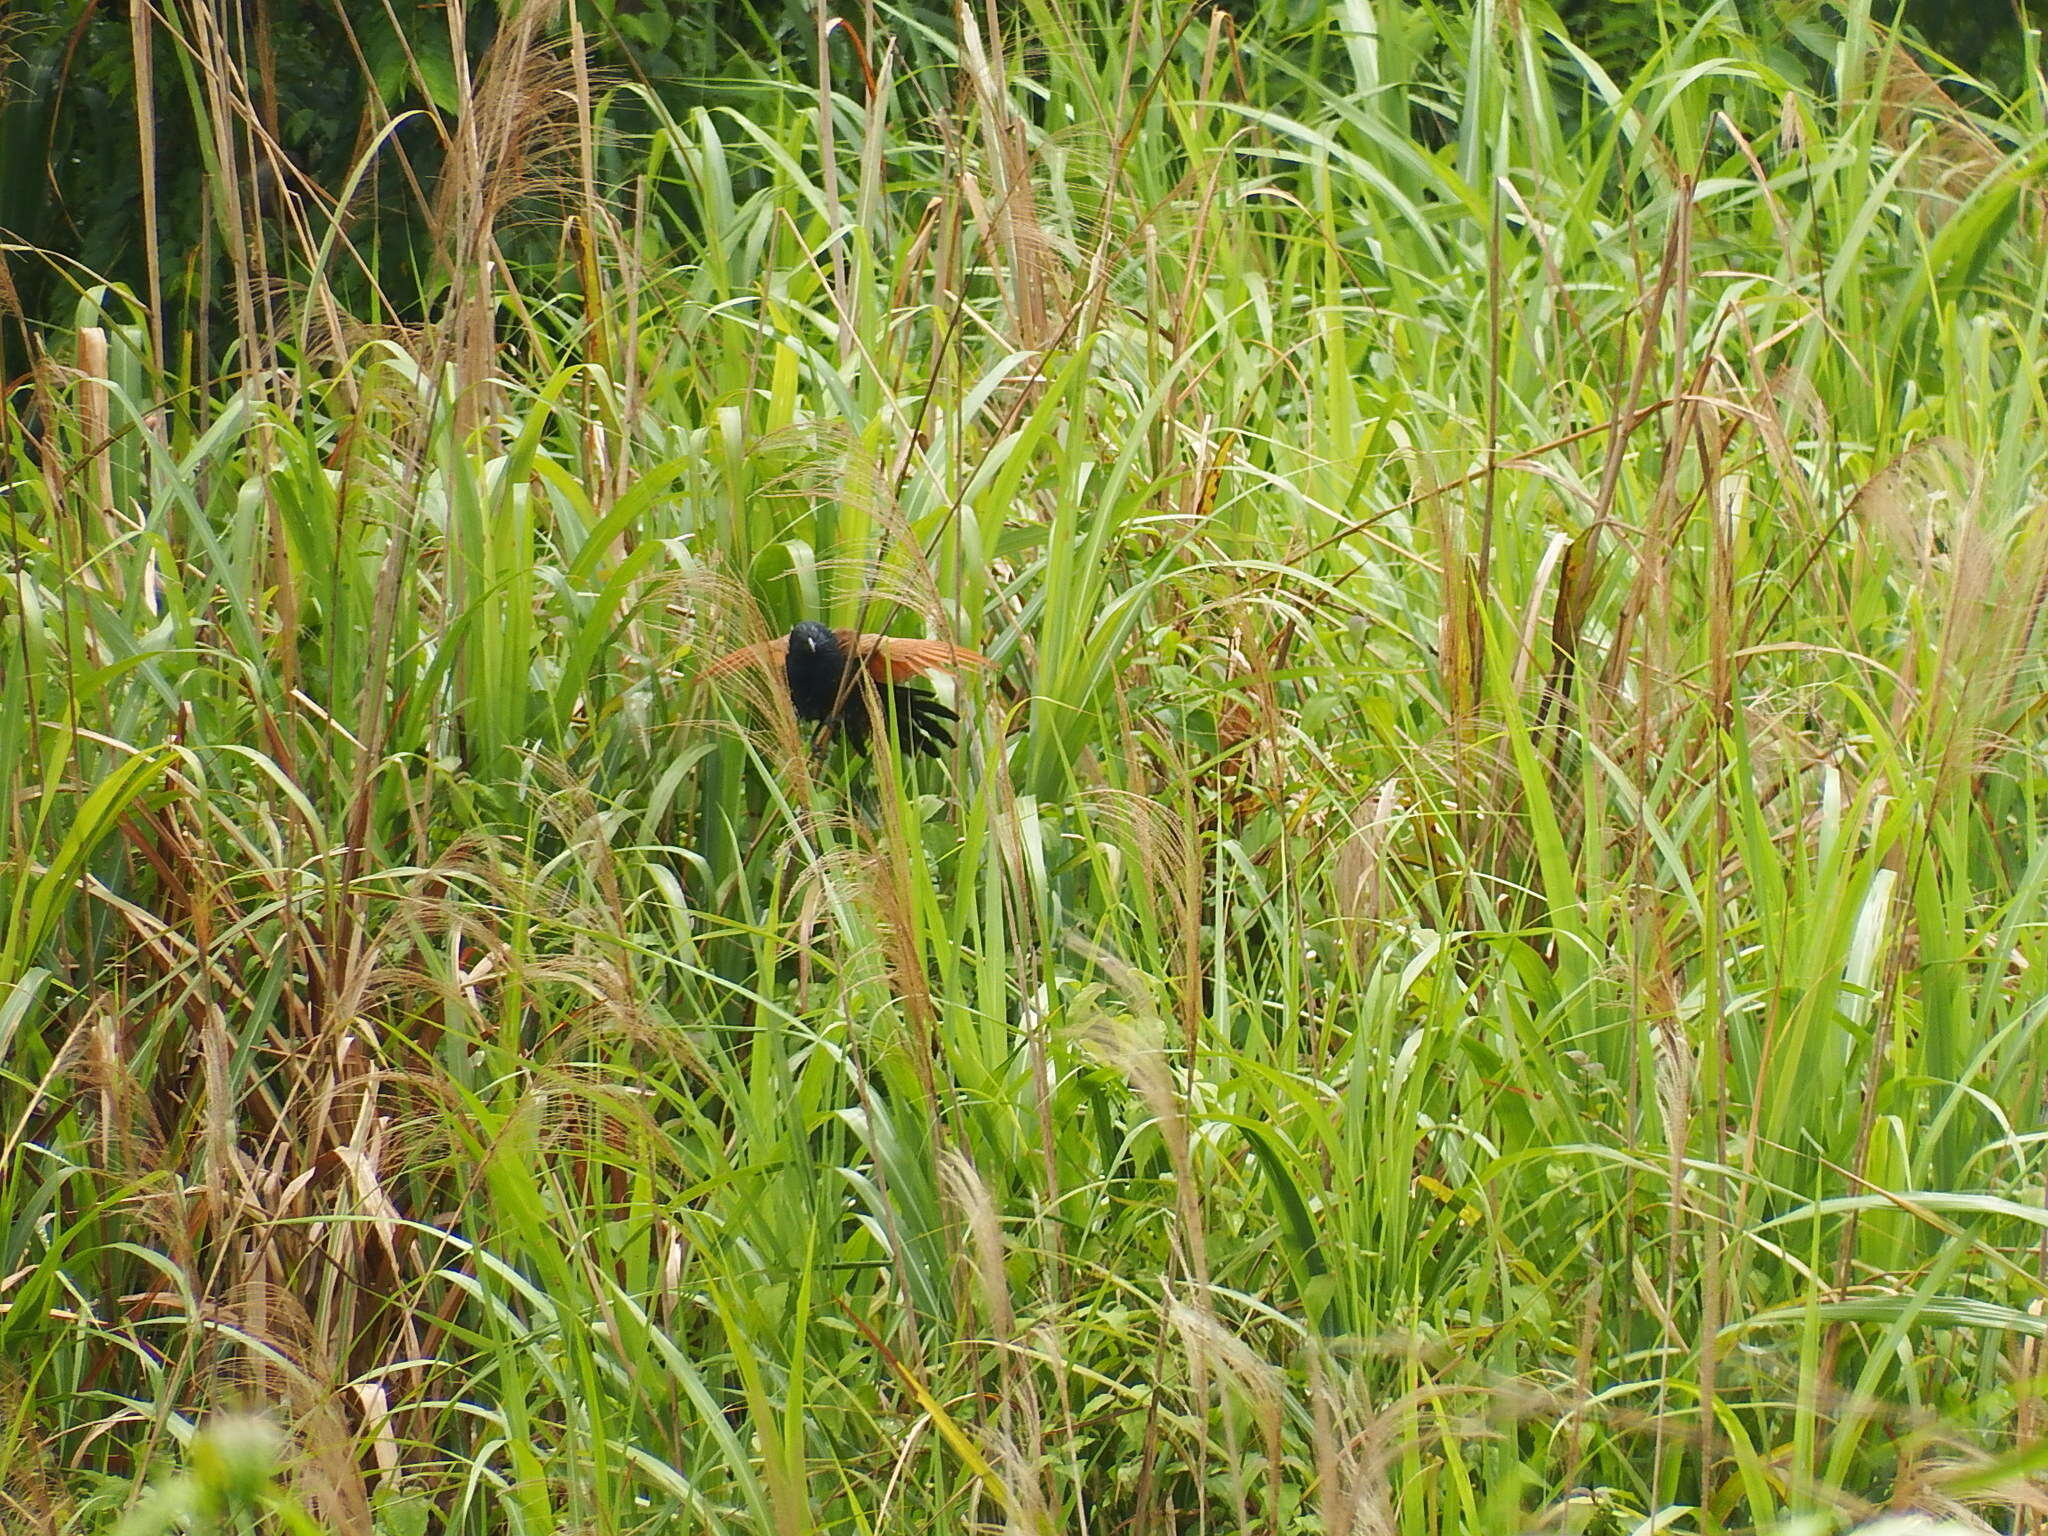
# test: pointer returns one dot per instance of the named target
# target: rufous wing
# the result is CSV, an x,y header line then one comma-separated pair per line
x,y
897,659
770,653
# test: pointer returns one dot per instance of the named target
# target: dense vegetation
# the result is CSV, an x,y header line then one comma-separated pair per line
x,y
1479,964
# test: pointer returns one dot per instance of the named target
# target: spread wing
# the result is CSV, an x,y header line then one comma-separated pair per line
x,y
771,654
897,659
888,658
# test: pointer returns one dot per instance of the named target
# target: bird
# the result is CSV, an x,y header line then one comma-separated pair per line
x,y
842,679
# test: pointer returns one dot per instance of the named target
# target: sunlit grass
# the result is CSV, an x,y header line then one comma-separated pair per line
x,y
1476,967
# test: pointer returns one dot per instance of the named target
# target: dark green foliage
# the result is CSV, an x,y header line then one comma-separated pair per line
x,y
328,77
1982,38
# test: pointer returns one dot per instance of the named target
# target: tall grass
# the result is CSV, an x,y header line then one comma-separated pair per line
x,y
1478,967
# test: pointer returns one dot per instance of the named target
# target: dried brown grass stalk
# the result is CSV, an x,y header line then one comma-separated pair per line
x,y
1216,1354
1011,228
1132,1043
1354,1452
1955,157
892,903
513,140
1161,832
986,1250
1989,582
1358,869
1023,1436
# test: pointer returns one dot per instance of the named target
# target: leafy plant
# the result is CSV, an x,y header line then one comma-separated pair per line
x,y
1474,967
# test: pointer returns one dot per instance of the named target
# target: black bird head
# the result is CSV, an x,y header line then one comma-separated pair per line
x,y
816,672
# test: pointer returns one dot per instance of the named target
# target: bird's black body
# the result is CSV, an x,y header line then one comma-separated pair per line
x,y
829,686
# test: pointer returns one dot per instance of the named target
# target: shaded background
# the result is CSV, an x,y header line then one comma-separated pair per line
x,y
330,75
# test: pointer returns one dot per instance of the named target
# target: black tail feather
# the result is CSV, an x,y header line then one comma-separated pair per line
x,y
916,719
